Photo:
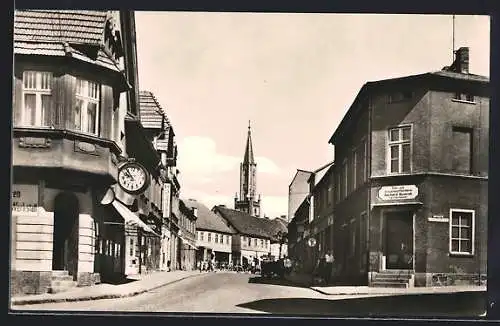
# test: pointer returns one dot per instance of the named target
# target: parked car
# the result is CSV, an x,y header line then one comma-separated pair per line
x,y
272,267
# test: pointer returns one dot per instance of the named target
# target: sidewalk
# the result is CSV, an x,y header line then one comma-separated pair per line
x,y
143,283
305,280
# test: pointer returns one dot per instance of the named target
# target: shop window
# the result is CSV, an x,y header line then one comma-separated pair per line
x,y
37,94
86,113
462,231
399,148
462,150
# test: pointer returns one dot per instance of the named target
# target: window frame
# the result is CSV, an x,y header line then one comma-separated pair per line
x,y
473,232
38,92
86,98
470,132
400,144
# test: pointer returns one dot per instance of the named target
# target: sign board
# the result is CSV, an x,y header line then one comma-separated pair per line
x,y
166,200
311,242
25,200
438,218
402,192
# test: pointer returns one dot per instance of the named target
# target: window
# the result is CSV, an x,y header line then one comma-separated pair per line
x,y
462,150
131,249
399,149
209,236
249,242
360,169
202,236
338,186
216,238
344,178
462,231
37,93
255,242
353,237
227,239
353,169
87,106
261,243
330,194
221,238
463,97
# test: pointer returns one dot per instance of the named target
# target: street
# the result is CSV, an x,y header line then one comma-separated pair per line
x,y
249,294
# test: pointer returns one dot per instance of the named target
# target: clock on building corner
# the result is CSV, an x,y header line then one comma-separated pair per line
x,y
133,178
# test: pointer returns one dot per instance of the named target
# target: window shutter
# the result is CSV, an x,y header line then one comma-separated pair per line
x,y
106,111
17,100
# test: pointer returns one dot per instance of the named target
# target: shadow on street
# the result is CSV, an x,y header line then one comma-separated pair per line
x,y
464,304
274,281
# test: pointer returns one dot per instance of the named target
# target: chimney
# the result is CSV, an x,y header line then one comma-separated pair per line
x,y
462,60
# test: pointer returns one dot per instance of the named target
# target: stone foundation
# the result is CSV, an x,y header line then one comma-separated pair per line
x,y
28,282
448,279
88,279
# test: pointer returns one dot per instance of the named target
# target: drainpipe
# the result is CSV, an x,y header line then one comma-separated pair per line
x,y
368,168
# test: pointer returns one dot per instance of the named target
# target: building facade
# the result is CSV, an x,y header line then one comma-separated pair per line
x,y
411,180
298,190
213,236
72,90
251,237
247,201
187,237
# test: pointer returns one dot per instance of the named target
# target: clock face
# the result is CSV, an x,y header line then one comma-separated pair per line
x,y
132,177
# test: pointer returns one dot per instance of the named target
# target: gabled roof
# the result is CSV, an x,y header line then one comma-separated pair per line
x,y
152,114
299,172
367,87
319,173
207,220
60,33
245,223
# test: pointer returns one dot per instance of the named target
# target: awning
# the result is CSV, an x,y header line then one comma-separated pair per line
x,y
408,203
130,218
189,244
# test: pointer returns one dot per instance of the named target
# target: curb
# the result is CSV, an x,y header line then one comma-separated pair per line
x,y
21,302
396,293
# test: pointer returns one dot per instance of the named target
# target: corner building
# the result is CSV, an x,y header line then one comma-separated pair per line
x,y
411,180
74,81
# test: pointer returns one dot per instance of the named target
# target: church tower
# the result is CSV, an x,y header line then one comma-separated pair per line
x,y
247,201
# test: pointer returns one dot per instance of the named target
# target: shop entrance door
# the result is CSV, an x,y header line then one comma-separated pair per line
x,y
399,240
66,226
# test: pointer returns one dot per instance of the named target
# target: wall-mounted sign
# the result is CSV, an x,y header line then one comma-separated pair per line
x,y
311,242
166,200
25,200
438,218
402,192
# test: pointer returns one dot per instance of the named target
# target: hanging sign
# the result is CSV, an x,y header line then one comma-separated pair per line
x,y
402,192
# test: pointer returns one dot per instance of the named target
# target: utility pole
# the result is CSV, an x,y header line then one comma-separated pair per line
x,y
453,40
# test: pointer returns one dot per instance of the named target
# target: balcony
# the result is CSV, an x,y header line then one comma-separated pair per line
x,y
64,149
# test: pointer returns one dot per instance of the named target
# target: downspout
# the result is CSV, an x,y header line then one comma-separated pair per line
x,y
368,167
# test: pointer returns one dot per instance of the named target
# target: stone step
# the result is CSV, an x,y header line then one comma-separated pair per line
x,y
62,278
62,287
392,276
387,284
60,273
63,282
390,280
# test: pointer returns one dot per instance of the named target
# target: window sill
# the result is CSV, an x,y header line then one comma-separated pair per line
x,y
463,101
460,254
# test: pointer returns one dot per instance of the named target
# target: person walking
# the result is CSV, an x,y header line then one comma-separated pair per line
x,y
328,266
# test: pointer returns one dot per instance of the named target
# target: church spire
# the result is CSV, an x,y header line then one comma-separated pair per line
x,y
248,158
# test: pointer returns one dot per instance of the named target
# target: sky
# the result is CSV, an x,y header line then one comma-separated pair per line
x,y
293,75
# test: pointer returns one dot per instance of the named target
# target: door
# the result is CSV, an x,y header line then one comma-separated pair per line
x,y
66,233
399,248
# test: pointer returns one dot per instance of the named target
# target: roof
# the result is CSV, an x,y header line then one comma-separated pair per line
x,y
151,112
207,220
245,223
379,83
299,172
320,173
248,157
45,32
